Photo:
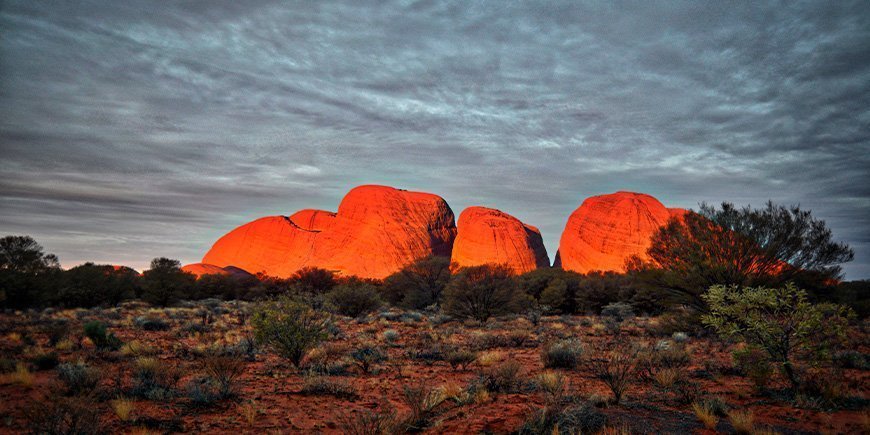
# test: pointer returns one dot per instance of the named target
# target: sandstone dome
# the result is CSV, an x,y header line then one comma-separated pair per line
x,y
376,231
201,269
487,235
606,230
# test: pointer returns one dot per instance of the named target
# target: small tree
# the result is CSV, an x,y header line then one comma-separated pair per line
x,y
312,281
165,282
779,320
480,292
741,246
354,298
27,274
289,327
418,284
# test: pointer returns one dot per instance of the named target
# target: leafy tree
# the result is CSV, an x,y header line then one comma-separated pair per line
x,y
22,254
480,292
290,327
27,273
418,284
779,320
741,246
166,283
89,285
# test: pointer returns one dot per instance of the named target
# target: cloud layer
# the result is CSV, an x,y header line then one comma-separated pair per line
x,y
131,130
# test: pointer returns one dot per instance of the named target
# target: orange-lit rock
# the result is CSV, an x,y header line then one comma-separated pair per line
x,y
491,236
608,229
376,231
200,269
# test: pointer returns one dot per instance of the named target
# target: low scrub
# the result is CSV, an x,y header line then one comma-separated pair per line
x,y
289,327
562,354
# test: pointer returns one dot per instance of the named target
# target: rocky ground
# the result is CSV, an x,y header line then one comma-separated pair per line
x,y
186,348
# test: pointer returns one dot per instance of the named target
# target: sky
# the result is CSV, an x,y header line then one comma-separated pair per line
x,y
132,130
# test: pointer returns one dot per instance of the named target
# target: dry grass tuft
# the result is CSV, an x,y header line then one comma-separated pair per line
x,y
705,414
743,421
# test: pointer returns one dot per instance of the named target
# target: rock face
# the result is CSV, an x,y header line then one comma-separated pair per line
x,y
200,269
376,231
608,229
491,236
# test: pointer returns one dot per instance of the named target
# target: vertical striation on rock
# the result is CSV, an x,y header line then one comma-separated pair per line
x,y
376,231
486,235
606,230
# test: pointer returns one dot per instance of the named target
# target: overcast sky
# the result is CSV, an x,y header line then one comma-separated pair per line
x,y
131,130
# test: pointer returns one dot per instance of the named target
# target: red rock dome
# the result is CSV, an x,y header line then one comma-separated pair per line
x,y
376,231
201,269
491,236
606,230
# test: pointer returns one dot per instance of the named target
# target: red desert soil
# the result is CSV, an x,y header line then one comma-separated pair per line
x,y
606,230
270,398
489,236
376,231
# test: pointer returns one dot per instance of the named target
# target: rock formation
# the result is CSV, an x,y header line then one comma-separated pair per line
x,y
491,236
376,231
200,269
606,230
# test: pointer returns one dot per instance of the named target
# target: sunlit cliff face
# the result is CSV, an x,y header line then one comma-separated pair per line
x,y
375,232
607,230
491,236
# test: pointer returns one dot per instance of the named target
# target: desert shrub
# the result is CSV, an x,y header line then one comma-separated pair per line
x,y
752,362
460,358
781,321
56,331
153,379
851,359
554,289
429,352
225,369
56,414
366,356
562,354
743,422
705,414
289,327
45,361
203,391
558,419
552,384
150,323
422,401
652,360
78,378
96,332
615,313
502,378
419,284
616,368
322,385
480,292
326,359
354,298
368,422
390,336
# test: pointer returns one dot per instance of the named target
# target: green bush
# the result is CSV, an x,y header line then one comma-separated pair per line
x,y
562,354
367,356
781,321
165,283
96,332
78,378
480,292
289,327
354,298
